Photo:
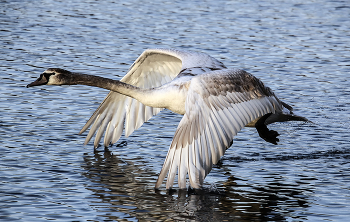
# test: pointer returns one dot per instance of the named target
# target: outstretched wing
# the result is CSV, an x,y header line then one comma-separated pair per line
x,y
219,104
153,68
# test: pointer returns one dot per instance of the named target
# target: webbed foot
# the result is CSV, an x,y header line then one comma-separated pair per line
x,y
268,135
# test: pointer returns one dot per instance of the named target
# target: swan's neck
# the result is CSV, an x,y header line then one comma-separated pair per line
x,y
161,97
105,83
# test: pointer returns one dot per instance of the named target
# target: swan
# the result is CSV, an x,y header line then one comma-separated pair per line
x,y
216,103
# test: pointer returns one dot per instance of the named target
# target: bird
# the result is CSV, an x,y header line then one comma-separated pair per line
x,y
216,103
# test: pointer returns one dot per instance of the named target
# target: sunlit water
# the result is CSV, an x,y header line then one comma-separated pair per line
x,y
298,48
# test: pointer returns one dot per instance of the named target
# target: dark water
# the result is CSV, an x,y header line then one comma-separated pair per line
x,y
301,49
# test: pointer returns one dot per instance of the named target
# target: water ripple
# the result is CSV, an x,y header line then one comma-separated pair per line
x,y
299,49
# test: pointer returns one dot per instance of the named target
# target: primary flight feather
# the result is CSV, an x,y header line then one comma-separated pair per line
x,y
216,103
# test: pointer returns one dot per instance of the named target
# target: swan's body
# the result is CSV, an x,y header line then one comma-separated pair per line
x,y
216,103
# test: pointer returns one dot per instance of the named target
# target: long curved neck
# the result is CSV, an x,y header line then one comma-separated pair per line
x,y
153,97
105,83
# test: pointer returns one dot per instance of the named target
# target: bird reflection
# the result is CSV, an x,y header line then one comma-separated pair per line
x,y
274,201
122,190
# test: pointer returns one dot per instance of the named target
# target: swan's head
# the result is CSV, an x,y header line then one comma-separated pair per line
x,y
52,76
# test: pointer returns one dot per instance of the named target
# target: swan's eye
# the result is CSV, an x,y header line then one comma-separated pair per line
x,y
47,75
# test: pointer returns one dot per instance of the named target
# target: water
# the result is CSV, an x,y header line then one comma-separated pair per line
x,y
298,48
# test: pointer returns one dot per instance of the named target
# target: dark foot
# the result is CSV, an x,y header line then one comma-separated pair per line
x,y
268,135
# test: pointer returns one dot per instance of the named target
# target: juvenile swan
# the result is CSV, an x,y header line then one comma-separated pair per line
x,y
216,103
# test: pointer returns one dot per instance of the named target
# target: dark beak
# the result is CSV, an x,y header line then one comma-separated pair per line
x,y
42,80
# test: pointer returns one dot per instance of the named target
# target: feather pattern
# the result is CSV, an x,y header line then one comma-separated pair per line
x,y
215,113
216,103
153,68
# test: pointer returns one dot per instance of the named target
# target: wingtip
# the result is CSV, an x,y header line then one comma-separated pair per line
x,y
158,183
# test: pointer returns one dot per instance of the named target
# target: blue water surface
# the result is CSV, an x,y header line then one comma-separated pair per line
x,y
300,49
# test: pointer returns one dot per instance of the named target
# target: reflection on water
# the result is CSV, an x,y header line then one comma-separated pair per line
x,y
119,194
300,49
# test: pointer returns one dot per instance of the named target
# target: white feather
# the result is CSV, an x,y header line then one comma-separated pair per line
x,y
216,103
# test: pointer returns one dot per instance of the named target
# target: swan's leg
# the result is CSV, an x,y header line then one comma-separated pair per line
x,y
268,135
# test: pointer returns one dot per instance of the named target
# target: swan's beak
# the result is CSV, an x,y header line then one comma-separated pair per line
x,y
40,81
